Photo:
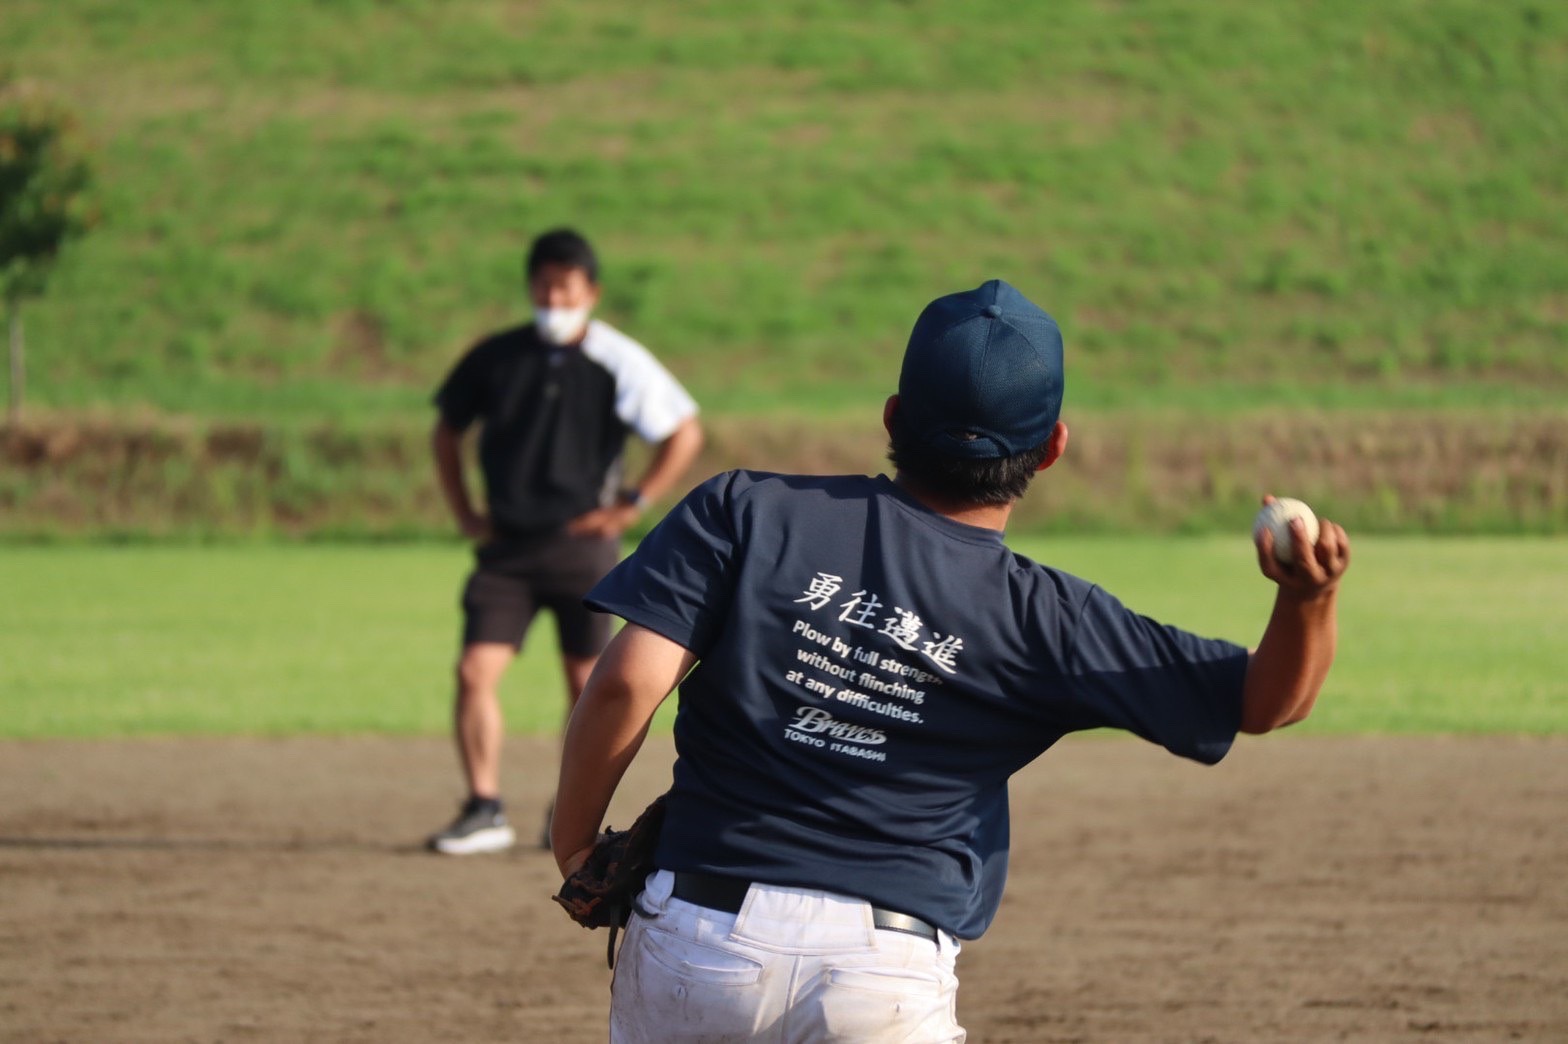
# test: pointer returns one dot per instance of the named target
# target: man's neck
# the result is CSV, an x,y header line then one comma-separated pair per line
x,y
983,516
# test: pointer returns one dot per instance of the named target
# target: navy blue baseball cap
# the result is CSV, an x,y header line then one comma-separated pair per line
x,y
982,375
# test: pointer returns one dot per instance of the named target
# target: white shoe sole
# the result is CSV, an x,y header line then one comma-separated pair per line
x,y
491,839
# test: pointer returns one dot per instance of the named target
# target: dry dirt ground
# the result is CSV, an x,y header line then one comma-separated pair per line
x,y
1307,889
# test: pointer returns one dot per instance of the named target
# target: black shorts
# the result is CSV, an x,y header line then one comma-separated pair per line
x,y
513,580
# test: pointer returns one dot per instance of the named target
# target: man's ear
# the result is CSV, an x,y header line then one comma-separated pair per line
x,y
889,409
1055,446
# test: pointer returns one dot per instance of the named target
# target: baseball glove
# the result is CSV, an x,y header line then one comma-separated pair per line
x,y
599,894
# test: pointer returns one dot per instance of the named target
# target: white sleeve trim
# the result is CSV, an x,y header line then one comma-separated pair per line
x,y
648,398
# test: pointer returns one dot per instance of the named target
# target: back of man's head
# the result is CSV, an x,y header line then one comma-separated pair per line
x,y
566,247
979,395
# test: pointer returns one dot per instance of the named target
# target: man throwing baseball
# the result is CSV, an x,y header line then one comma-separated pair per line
x,y
863,664
556,399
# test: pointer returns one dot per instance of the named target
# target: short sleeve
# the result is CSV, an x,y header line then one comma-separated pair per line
x,y
680,581
648,398
1167,685
460,399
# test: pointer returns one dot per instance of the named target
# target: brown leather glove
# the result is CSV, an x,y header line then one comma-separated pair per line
x,y
599,894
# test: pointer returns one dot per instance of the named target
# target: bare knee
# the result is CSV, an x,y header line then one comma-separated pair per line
x,y
479,670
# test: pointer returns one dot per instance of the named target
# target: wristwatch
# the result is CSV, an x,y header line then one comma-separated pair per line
x,y
634,497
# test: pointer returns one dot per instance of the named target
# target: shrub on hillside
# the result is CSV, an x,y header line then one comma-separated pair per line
x,y
44,179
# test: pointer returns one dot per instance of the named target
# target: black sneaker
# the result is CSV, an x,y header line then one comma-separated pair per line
x,y
480,827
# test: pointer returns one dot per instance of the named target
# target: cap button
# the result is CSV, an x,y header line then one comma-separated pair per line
x,y
992,310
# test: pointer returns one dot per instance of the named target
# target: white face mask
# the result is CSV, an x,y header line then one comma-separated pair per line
x,y
561,325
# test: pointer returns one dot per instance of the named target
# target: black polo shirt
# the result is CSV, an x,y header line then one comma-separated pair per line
x,y
555,419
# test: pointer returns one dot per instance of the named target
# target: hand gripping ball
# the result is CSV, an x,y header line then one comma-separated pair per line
x,y
1276,517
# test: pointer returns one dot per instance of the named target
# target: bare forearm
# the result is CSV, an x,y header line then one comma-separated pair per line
x,y
671,459
603,737
634,675
1292,660
446,448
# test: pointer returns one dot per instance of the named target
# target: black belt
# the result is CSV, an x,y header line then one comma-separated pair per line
x,y
726,894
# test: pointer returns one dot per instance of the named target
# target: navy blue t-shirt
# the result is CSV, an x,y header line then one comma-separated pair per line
x,y
871,673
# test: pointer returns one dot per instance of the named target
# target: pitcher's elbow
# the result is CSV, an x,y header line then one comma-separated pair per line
x,y
1258,722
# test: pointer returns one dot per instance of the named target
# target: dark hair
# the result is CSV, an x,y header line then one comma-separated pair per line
x,y
563,246
1000,480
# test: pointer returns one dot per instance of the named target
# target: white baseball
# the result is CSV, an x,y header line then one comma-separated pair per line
x,y
1276,518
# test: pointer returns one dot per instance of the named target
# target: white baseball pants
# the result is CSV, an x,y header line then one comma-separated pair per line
x,y
795,965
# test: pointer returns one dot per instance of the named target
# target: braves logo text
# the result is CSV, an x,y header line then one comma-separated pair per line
x,y
814,721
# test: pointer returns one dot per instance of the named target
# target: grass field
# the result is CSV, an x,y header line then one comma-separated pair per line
x,y
1437,635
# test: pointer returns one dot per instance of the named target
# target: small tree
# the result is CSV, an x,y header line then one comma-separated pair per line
x,y
44,177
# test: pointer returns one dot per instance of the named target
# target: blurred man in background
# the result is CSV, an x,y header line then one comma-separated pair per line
x,y
556,399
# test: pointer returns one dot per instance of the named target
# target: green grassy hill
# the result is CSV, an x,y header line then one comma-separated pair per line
x,y
312,207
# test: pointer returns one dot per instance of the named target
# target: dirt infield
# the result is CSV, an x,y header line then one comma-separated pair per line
x,y
1307,889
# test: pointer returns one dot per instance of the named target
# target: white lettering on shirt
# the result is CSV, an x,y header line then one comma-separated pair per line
x,y
814,721
821,589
